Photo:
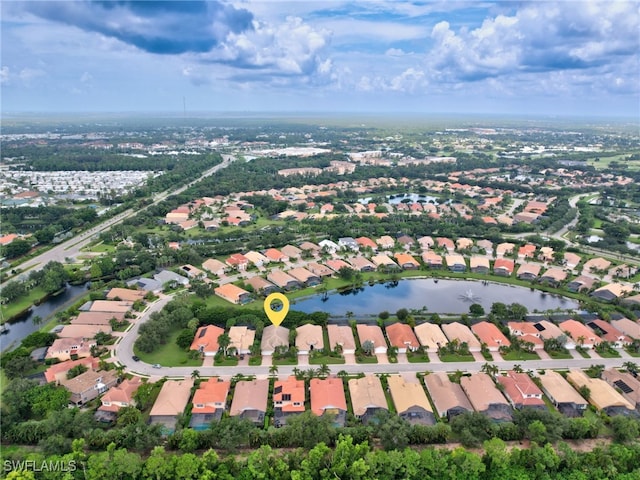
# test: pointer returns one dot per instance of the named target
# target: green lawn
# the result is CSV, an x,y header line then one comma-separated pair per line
x,y
100,248
285,361
452,357
560,355
609,354
23,303
520,355
366,359
633,354
3,381
255,361
583,352
319,360
417,358
226,362
169,355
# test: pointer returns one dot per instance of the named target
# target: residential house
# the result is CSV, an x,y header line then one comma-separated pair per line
x,y
329,246
328,398
580,334
601,395
288,399
117,397
309,338
171,402
126,294
487,246
205,340
401,336
83,331
410,401
383,261
367,397
528,271
490,335
336,265
232,293
260,285
504,249
446,243
464,243
571,260
461,333
193,272
627,327
526,251
319,269
111,306
485,397
171,279
479,264
554,276
430,336
372,333
362,264
448,397
426,242
609,333
291,252
273,337
348,243
209,402
386,242
625,383
310,247
97,318
521,391
581,283
237,262
256,258
455,263
546,254
503,267
250,400
536,333
366,242
66,348
611,292
275,255
89,385
432,259
595,265
242,339
216,267
305,277
565,398
58,371
406,241
406,261
341,336
283,280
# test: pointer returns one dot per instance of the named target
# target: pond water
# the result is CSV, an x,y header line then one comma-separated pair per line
x,y
19,329
441,296
407,197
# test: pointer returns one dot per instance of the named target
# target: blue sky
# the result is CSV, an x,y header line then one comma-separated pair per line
x,y
552,58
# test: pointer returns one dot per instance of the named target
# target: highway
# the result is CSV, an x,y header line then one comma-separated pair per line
x,y
71,248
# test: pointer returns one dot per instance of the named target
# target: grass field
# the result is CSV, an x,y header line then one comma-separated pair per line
x,y
23,303
319,360
560,355
417,358
285,361
3,381
169,355
511,356
604,162
456,358
365,359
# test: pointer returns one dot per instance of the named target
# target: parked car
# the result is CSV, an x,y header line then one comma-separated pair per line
x,y
135,358
156,365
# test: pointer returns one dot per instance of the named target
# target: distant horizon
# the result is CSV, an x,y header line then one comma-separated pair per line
x,y
552,58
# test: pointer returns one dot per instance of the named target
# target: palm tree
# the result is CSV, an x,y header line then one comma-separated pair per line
x,y
223,342
517,368
324,371
273,371
631,367
581,339
297,373
195,374
490,369
342,374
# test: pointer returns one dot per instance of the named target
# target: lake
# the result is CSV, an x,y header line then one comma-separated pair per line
x,y
445,296
19,329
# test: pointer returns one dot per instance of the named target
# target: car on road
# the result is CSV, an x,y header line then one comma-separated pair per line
x,y
156,365
136,358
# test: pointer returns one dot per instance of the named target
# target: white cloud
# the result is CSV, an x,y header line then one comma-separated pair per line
x,y
4,75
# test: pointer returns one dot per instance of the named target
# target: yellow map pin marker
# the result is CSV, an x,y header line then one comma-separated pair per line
x,y
276,316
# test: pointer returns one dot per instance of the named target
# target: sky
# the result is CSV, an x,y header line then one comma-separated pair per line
x,y
574,58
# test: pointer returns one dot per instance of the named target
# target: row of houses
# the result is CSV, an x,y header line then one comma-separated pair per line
x,y
617,393
428,335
